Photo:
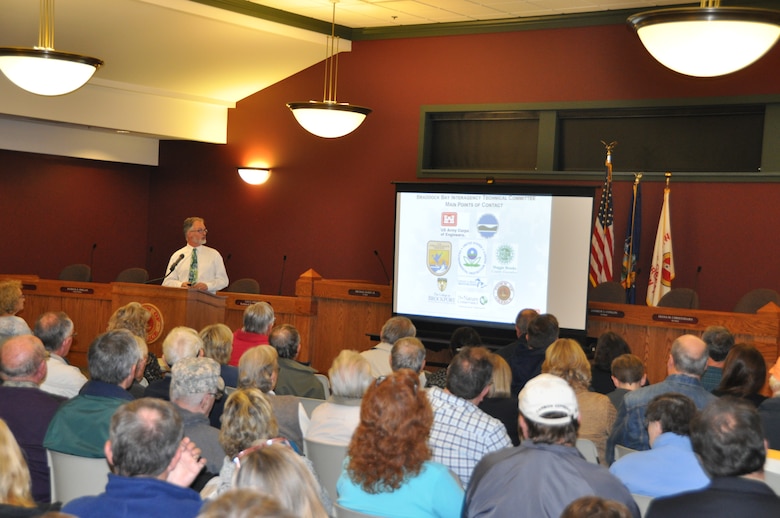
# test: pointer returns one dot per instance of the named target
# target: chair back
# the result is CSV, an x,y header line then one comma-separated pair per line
x,y
610,291
245,285
72,476
343,512
642,502
135,275
684,298
327,460
325,383
621,451
309,404
588,450
754,300
76,272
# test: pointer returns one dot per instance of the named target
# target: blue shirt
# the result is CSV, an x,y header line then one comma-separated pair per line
x,y
630,429
668,468
434,493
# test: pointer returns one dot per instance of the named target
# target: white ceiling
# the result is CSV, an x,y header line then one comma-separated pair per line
x,y
174,67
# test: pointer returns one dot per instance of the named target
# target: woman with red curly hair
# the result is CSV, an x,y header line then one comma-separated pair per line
x,y
388,471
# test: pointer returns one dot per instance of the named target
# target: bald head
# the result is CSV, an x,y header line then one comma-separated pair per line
x,y
689,356
23,358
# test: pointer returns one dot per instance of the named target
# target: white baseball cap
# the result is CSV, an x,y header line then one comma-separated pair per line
x,y
548,399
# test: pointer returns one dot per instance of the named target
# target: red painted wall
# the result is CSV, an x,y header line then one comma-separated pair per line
x,y
329,203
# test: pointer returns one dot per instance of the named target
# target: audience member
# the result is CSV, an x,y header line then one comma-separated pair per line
x,y
566,359
744,374
26,409
728,439
275,469
180,342
499,402
522,320
409,353
628,374
16,499
769,410
295,378
609,346
196,265
546,472
719,342
526,362
135,318
462,433
139,385
195,386
55,330
244,503
670,466
259,368
379,355
218,345
686,363
595,507
11,303
152,466
461,337
388,471
335,421
258,322
112,359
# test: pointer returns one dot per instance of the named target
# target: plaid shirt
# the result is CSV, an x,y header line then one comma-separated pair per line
x,y
462,433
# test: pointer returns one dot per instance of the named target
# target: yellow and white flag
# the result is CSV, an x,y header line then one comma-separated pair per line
x,y
662,267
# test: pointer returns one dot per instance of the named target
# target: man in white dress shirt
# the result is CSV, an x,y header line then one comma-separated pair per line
x,y
196,265
55,330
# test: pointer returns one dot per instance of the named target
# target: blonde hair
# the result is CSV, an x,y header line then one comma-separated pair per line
x,y
133,317
277,470
501,382
248,417
217,342
566,359
10,293
14,475
257,367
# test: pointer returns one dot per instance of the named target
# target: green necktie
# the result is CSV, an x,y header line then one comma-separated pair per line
x,y
193,267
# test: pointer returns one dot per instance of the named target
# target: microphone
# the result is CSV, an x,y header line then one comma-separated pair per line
x,y
173,267
92,256
382,264
281,277
696,279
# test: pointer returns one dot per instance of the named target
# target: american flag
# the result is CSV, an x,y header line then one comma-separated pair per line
x,y
602,244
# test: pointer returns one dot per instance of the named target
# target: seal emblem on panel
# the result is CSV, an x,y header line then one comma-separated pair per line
x,y
503,292
439,257
487,225
472,258
156,324
442,282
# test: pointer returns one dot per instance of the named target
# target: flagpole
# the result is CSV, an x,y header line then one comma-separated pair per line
x,y
630,268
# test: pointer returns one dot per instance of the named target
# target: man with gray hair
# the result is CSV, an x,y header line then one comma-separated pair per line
x,y
719,342
686,364
195,387
258,321
181,342
295,378
80,426
379,356
196,265
152,465
25,408
409,353
55,330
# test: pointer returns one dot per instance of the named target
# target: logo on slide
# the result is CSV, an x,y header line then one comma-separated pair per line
x,y
439,257
503,292
449,219
442,283
487,225
505,254
472,258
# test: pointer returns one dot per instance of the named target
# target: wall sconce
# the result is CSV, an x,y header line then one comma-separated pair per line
x,y
254,175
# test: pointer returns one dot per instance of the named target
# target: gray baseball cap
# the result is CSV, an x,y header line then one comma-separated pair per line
x,y
196,376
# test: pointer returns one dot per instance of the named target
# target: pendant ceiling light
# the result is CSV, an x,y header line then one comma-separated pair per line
x,y
328,118
42,70
709,40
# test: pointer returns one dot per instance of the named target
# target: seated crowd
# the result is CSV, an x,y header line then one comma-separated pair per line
x,y
219,425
